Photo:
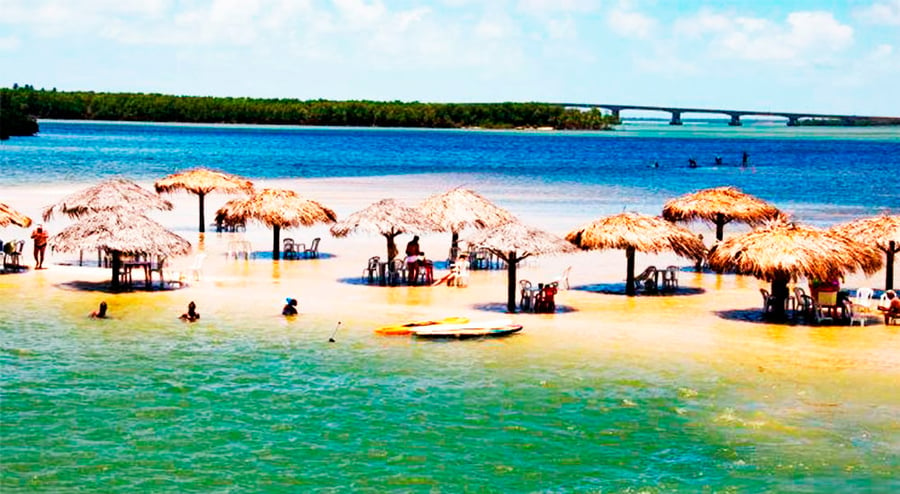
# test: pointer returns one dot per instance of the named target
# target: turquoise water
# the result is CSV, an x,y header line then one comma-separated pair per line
x,y
249,404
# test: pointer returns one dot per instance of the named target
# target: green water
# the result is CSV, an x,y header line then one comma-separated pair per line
x,y
244,405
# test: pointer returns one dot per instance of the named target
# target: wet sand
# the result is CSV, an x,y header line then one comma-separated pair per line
x,y
712,319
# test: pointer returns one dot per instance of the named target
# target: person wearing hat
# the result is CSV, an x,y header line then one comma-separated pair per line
x,y
290,308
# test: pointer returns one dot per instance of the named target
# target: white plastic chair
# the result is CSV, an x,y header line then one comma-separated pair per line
x,y
197,268
562,280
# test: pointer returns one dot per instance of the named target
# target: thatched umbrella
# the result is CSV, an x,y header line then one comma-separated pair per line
x,y
387,217
277,208
881,231
637,232
9,215
719,206
117,194
202,181
119,234
513,242
779,252
459,208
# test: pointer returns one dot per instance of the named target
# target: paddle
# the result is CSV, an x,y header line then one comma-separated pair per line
x,y
331,338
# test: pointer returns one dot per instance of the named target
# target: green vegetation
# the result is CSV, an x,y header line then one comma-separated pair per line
x,y
848,122
84,105
14,117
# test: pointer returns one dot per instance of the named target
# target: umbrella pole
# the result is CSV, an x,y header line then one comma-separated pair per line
x,y
889,266
116,265
454,246
391,246
780,294
202,221
720,226
629,278
511,282
276,239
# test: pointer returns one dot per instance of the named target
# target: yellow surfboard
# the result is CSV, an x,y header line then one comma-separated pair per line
x,y
408,328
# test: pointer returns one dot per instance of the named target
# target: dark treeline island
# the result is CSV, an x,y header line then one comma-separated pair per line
x,y
86,105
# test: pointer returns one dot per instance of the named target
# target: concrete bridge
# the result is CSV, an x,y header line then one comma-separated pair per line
x,y
792,118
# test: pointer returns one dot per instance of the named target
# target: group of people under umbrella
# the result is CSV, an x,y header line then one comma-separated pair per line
x,y
111,218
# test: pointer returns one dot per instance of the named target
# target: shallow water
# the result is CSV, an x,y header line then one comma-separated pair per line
x,y
676,393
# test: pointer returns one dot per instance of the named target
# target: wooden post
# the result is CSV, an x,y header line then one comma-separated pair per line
x,y
202,221
511,282
276,240
889,266
629,279
720,226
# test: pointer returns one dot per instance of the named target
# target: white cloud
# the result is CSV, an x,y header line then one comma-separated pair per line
x,y
544,6
630,23
9,43
887,12
804,37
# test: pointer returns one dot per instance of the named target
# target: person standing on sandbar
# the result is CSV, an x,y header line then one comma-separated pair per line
x,y
39,235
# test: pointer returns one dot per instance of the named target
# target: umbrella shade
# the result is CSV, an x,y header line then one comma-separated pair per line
x,y
387,217
109,195
276,208
459,208
720,206
881,231
119,234
202,181
513,242
9,215
636,233
780,251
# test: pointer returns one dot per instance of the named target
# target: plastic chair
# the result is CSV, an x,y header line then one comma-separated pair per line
x,y
646,280
426,273
371,270
397,271
289,249
670,278
313,251
562,280
197,268
526,295
768,301
544,300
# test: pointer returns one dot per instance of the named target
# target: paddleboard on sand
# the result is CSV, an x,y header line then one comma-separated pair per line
x,y
475,329
408,328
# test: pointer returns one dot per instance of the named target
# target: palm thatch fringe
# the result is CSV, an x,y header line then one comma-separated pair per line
x,y
513,242
9,216
637,233
882,231
719,206
387,217
277,209
202,181
459,208
109,195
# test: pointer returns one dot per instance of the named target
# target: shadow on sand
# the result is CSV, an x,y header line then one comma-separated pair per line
x,y
266,255
619,289
500,308
756,316
106,287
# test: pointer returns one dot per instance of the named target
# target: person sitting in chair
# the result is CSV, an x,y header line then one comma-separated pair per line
x,y
892,310
414,256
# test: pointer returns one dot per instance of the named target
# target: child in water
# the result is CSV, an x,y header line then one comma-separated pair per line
x,y
191,315
290,308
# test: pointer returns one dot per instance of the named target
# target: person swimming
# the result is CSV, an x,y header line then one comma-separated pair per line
x,y
692,163
290,308
100,313
191,315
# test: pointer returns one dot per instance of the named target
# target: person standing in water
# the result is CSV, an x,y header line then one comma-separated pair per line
x,y
191,315
745,159
39,235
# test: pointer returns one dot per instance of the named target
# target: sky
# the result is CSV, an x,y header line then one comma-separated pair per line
x,y
824,56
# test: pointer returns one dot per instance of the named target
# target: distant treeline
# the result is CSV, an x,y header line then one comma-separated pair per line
x,y
15,120
86,105
848,122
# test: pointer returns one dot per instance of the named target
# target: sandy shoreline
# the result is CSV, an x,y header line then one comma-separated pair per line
x,y
715,322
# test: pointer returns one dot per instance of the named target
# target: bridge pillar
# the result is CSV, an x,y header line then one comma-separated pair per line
x,y
615,113
735,120
676,118
792,121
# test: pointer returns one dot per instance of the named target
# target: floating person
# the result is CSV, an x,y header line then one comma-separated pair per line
x,y
692,163
718,160
191,315
290,308
655,164
100,313
745,159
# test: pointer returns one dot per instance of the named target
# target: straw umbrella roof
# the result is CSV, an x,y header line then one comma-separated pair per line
x,y
643,233
277,209
128,234
109,195
387,217
719,206
459,208
9,215
781,250
512,242
879,231
203,181
636,233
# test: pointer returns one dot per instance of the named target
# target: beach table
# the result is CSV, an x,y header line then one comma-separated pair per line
x,y
127,268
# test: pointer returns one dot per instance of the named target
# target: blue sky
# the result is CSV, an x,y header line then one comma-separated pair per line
x,y
814,56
